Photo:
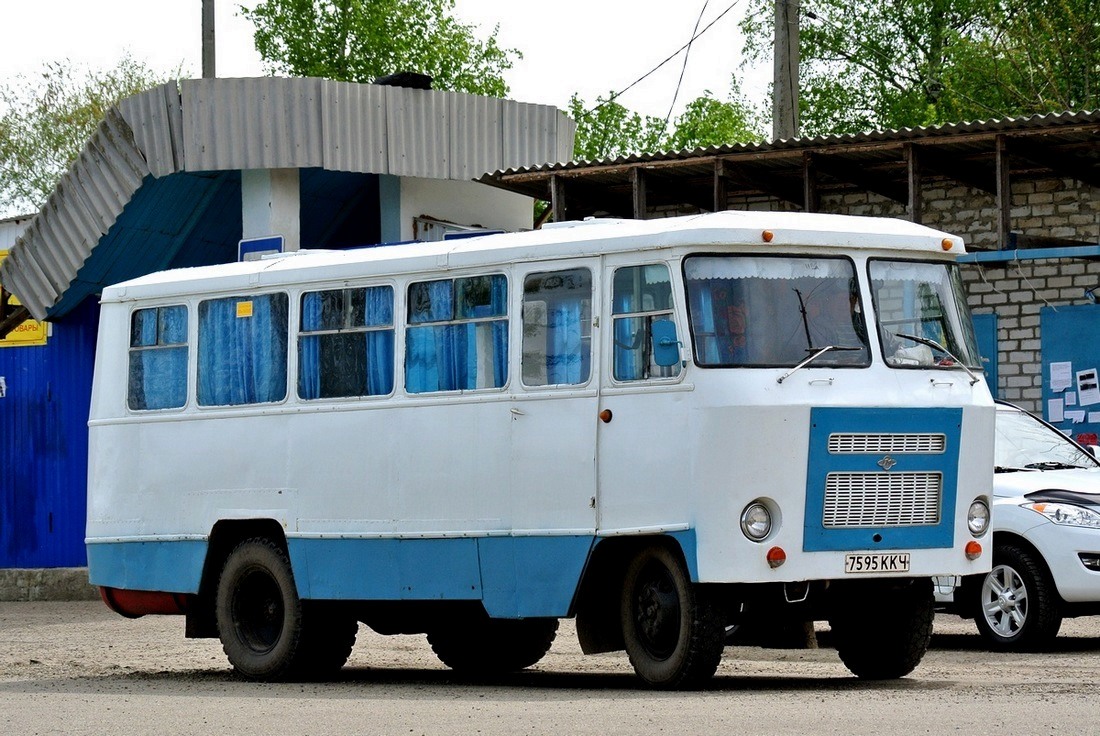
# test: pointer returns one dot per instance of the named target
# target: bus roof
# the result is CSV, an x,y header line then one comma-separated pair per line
x,y
574,239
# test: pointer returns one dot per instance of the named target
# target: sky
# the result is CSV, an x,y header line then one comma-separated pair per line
x,y
592,47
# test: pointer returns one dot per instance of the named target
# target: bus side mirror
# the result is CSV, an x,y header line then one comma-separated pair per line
x,y
666,348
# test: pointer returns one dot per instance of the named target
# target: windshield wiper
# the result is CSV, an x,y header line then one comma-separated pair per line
x,y
1052,465
936,346
818,352
1007,469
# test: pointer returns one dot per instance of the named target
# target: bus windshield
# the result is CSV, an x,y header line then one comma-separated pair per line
x,y
766,311
923,300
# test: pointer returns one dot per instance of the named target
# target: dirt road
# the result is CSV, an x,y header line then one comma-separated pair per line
x,y
76,668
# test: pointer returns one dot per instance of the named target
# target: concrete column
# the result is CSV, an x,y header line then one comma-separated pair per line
x,y
270,205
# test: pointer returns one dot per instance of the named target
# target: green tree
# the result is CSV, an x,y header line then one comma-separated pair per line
x,y
360,40
908,63
46,119
608,129
707,121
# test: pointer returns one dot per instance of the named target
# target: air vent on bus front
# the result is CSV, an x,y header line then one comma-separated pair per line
x,y
853,443
854,500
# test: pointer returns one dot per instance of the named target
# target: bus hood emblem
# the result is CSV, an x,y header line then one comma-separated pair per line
x,y
886,463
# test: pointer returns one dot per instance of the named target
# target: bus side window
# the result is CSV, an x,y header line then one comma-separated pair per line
x,y
557,328
157,377
457,334
641,295
345,343
242,350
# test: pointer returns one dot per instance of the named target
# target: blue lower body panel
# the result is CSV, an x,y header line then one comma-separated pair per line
x,y
168,566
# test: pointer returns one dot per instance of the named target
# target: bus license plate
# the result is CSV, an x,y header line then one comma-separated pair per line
x,y
877,562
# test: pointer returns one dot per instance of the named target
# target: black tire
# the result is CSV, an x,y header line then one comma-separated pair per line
x,y
484,646
1017,607
881,632
673,631
266,631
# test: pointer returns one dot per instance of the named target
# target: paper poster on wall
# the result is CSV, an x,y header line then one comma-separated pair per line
x,y
1061,375
1094,417
1054,411
1070,397
1077,417
1088,388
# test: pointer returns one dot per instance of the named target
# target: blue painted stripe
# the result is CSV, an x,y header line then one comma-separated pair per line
x,y
514,577
386,569
826,421
169,566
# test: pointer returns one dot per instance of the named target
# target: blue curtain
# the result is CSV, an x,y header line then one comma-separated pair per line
x,y
630,338
703,319
566,357
367,362
309,348
242,360
455,356
158,368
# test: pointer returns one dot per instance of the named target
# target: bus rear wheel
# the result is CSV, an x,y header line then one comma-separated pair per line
x,y
882,631
485,646
266,631
673,631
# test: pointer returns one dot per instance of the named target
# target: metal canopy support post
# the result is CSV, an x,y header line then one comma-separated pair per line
x,y
638,185
1004,193
557,197
912,159
811,201
721,200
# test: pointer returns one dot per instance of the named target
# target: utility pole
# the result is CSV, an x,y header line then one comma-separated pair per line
x,y
208,39
785,78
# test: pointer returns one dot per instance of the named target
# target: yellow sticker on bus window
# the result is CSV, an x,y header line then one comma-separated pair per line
x,y
244,309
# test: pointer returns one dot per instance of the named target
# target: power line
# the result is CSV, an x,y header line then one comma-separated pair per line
x,y
687,54
672,56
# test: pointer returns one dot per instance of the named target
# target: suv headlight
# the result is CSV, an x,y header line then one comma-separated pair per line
x,y
1066,514
977,518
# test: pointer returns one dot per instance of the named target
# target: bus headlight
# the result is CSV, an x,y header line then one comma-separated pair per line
x,y
756,521
977,518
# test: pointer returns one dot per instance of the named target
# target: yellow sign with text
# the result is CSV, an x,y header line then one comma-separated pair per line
x,y
29,332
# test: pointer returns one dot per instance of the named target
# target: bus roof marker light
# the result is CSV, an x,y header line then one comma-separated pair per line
x,y
973,550
767,235
947,243
776,557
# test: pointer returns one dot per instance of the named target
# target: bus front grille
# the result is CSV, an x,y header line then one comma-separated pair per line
x,y
845,443
855,500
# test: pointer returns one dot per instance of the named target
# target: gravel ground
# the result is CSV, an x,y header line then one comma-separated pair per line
x,y
77,668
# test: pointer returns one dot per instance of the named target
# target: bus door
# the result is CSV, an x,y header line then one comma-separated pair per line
x,y
643,428
554,412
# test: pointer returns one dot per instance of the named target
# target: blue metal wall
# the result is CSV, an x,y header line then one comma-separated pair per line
x,y
44,444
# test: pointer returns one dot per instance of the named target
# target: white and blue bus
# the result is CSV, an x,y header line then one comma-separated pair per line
x,y
661,428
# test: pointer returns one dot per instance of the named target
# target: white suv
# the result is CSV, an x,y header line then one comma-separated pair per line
x,y
1046,537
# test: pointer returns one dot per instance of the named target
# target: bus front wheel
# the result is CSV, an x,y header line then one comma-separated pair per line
x,y
266,631
672,629
882,630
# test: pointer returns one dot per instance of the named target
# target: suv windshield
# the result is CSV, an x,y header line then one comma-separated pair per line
x,y
1025,443
923,300
775,311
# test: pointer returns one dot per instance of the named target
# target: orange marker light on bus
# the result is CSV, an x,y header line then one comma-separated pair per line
x,y
776,557
946,243
767,235
973,550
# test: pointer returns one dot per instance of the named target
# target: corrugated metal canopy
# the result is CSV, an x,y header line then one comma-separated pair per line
x,y
1062,145
158,185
